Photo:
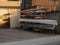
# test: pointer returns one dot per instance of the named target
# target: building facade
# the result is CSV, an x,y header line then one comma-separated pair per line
x,y
50,4
9,13
26,4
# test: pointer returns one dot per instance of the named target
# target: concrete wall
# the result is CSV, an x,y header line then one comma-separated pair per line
x,y
14,19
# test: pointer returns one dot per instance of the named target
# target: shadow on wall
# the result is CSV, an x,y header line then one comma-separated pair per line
x,y
5,21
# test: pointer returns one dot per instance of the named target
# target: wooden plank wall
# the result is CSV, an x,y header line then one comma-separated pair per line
x,y
45,4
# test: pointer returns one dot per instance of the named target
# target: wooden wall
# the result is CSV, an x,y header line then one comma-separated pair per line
x,y
45,4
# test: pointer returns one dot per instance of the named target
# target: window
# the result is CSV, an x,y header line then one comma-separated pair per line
x,y
13,0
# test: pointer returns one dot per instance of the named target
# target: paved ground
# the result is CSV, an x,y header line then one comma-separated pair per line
x,y
11,35
53,40
53,43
